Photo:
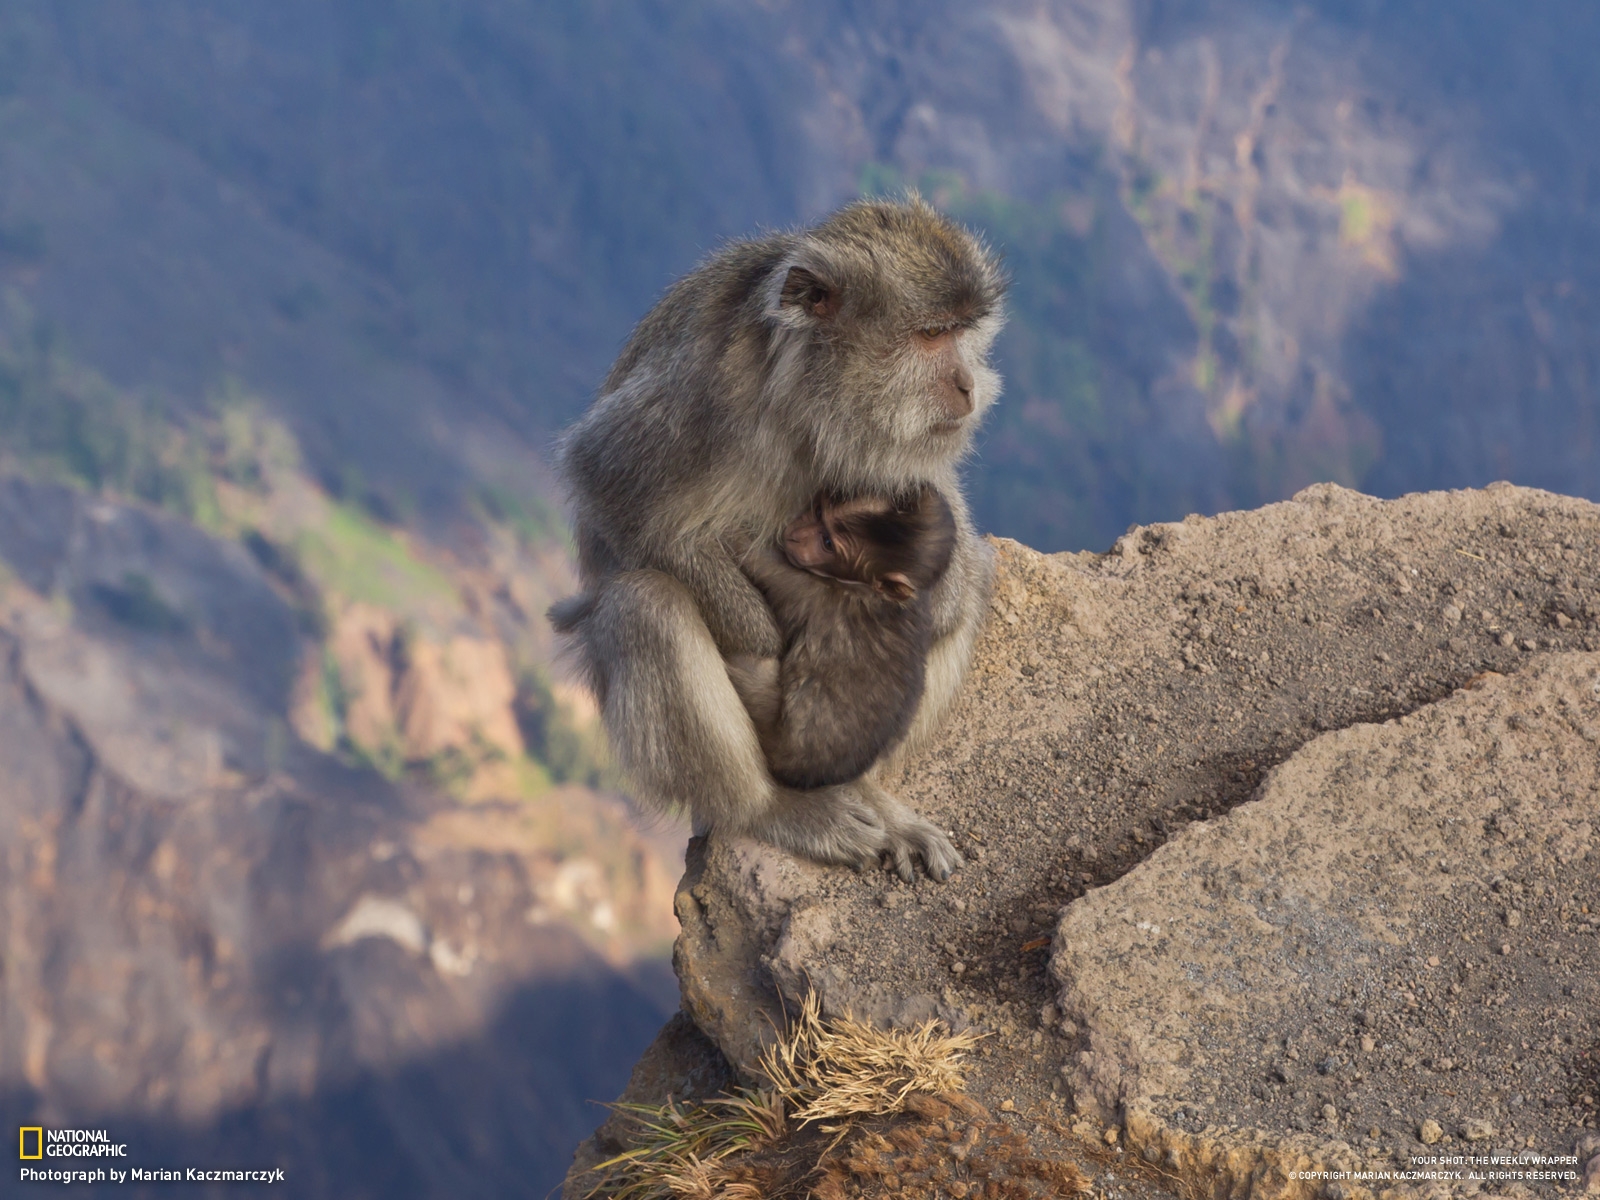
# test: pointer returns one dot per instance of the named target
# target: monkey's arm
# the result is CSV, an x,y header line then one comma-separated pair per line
x,y
734,611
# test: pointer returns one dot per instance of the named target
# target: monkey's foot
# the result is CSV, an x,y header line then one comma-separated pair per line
x,y
831,825
857,825
911,837
915,838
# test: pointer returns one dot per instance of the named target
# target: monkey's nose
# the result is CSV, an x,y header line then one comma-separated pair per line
x,y
959,400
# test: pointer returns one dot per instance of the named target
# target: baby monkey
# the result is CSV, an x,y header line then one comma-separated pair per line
x,y
850,592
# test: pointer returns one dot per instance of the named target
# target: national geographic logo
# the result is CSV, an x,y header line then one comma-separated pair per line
x,y
38,1142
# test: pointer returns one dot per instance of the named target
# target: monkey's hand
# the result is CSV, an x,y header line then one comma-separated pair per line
x,y
831,825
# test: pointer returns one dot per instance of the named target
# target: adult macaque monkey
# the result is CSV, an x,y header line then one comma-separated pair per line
x,y
848,359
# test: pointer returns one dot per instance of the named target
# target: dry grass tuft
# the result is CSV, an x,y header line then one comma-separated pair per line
x,y
681,1153
716,1180
738,1147
842,1068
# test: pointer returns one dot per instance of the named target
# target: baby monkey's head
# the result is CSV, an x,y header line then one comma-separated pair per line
x,y
898,549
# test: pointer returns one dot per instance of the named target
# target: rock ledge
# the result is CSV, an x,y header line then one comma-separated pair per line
x,y
1282,841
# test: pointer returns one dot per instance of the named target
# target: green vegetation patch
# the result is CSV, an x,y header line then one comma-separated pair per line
x,y
351,554
533,518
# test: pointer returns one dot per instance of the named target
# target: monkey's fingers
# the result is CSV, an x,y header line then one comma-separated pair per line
x,y
938,855
924,842
910,837
870,838
901,860
942,866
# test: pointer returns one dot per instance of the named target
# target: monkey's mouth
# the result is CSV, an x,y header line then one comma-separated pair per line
x,y
946,427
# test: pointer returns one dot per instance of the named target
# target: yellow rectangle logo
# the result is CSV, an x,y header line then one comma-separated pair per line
x,y
38,1141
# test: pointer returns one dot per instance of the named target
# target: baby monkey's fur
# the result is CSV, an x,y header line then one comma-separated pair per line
x,y
850,590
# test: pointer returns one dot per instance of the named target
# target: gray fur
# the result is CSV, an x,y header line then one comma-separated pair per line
x,y
730,407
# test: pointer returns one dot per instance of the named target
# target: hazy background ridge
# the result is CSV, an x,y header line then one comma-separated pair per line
x,y
1255,244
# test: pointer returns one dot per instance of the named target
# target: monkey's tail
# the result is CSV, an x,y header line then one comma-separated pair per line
x,y
566,615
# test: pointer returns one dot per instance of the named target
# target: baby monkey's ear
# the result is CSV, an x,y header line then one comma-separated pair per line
x,y
897,586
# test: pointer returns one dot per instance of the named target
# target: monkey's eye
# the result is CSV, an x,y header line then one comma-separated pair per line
x,y
827,541
932,333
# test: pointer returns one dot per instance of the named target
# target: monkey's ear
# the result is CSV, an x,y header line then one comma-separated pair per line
x,y
897,586
807,291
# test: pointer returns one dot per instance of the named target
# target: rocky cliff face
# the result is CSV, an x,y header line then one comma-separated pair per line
x,y
1281,832
225,944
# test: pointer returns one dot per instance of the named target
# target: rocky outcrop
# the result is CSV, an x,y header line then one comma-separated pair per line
x,y
1402,927
1282,831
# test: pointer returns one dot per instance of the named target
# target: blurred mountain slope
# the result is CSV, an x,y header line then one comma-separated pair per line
x,y
1256,243
1271,244
390,220
239,945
